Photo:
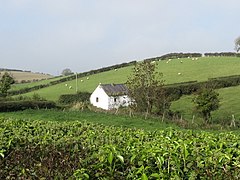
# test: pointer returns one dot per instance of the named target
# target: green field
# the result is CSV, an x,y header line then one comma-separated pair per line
x,y
88,116
200,70
229,104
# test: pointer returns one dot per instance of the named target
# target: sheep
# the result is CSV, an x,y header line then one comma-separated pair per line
x,y
81,80
66,85
70,87
87,78
179,73
115,69
181,61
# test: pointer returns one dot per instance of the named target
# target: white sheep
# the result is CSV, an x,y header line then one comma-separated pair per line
x,y
181,61
81,80
179,73
115,69
70,87
66,85
87,78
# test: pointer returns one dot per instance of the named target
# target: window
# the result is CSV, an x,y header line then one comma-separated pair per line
x,y
97,99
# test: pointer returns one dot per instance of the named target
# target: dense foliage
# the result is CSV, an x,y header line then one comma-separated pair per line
x,y
73,98
52,150
206,101
5,84
7,106
145,87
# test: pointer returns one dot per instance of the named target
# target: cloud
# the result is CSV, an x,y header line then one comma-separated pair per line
x,y
51,35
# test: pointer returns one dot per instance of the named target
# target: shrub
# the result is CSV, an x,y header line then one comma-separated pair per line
x,y
73,98
8,106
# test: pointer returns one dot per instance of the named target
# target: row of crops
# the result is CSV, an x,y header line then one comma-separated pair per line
x,y
77,150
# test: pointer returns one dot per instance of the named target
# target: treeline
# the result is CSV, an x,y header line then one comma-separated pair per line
x,y
71,77
186,88
231,54
191,55
174,56
17,70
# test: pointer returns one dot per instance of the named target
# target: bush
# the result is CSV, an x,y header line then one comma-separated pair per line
x,y
8,106
74,98
75,150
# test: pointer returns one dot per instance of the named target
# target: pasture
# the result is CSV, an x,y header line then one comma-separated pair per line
x,y
229,105
190,70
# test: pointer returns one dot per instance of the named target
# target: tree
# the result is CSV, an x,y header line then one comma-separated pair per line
x,y
237,44
144,85
5,84
67,72
206,101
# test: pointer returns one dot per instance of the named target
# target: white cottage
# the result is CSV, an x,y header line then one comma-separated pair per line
x,y
110,96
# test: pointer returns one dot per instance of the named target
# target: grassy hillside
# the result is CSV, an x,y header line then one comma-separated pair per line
x,y
229,105
201,70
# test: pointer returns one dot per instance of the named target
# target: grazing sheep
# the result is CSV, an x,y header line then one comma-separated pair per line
x,y
70,87
196,58
193,59
66,85
181,61
81,80
115,69
179,73
87,78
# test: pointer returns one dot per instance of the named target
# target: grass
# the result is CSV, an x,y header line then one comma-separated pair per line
x,y
229,105
200,70
88,116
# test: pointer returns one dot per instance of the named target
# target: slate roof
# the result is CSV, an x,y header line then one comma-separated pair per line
x,y
115,89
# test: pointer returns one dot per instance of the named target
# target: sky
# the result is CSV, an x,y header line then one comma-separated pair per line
x,y
50,35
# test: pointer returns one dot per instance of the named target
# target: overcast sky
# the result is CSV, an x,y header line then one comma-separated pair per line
x,y
50,35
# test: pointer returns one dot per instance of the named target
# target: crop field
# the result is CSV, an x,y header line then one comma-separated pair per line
x,y
35,149
28,76
200,70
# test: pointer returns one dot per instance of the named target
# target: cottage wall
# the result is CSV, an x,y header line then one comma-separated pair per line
x,y
99,98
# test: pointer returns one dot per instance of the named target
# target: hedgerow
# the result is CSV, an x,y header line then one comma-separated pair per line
x,y
7,106
75,150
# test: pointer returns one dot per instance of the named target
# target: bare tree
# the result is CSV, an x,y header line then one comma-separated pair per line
x,y
237,44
